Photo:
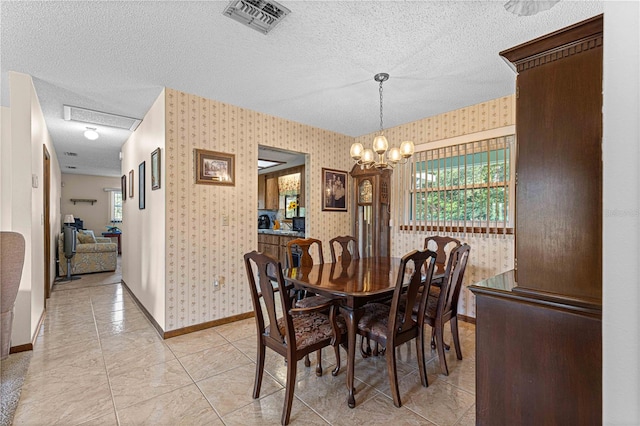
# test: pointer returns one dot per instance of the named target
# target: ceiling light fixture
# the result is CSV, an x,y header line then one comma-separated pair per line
x,y
365,157
91,134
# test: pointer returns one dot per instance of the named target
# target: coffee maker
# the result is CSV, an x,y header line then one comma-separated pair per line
x,y
264,222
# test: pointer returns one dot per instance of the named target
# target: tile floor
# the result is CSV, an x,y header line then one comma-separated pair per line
x,y
98,361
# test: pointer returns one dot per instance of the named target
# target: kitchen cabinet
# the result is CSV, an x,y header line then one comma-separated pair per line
x,y
275,246
271,194
262,188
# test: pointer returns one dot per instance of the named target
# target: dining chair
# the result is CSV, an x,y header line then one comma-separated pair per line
x,y
294,335
349,246
305,247
443,246
390,327
443,308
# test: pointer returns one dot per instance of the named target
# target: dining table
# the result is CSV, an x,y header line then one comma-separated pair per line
x,y
351,285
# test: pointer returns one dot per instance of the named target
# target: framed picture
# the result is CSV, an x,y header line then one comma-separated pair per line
x,y
334,190
123,186
141,186
131,184
215,168
155,169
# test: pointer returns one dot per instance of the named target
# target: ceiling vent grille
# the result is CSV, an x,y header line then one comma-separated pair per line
x,y
100,118
257,14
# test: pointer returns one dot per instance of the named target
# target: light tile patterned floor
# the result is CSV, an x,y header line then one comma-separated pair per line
x,y
98,361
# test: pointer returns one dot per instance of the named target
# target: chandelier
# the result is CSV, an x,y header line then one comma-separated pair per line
x,y
386,160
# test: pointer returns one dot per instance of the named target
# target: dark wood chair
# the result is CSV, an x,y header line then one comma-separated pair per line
x,y
443,246
296,334
349,246
443,308
388,326
305,246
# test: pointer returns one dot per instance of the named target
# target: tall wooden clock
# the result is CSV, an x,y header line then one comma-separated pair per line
x,y
371,204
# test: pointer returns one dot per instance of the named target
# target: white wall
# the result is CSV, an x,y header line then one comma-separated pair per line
x,y
28,134
96,216
621,202
143,231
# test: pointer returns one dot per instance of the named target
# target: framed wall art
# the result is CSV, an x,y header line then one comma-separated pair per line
x,y
141,186
334,190
214,168
123,187
131,184
155,169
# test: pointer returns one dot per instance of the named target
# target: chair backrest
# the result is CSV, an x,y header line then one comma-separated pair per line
x,y
305,245
349,247
452,283
443,246
265,282
416,268
12,248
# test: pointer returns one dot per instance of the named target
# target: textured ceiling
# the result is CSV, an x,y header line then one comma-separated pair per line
x,y
316,67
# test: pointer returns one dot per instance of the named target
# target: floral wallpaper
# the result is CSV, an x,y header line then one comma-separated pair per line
x,y
209,228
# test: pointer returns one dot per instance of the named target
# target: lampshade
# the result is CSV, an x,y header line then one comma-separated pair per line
x,y
69,219
356,151
380,144
406,149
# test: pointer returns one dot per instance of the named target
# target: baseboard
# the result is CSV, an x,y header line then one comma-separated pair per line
x,y
465,318
21,348
208,324
188,329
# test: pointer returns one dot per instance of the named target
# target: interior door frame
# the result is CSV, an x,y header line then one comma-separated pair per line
x,y
46,199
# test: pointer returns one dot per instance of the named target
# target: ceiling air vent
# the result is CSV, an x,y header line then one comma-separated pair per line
x,y
100,118
257,14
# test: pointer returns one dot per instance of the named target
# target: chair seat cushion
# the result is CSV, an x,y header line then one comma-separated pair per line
x,y
311,328
375,320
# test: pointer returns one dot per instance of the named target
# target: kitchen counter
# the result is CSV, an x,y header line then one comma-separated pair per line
x,y
284,232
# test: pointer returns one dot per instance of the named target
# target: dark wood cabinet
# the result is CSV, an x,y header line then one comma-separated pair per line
x,y
539,340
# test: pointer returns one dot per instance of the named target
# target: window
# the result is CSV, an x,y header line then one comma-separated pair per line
x,y
462,188
115,206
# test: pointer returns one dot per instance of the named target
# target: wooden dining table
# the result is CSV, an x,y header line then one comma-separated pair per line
x,y
352,284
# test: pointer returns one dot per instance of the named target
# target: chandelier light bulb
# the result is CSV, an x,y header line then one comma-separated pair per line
x,y
406,149
394,155
380,144
367,156
356,151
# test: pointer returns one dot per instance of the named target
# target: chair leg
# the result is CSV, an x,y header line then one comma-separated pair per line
x,y
440,346
365,352
289,388
319,362
420,353
336,348
307,361
259,370
393,375
456,337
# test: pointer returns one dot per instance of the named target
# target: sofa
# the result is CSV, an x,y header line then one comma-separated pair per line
x,y
93,254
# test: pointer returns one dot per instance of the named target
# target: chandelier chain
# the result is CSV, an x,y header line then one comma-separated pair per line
x,y
381,128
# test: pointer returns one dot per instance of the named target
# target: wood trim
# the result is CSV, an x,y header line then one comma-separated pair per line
x,y
21,348
559,53
560,39
459,229
470,320
208,324
188,329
